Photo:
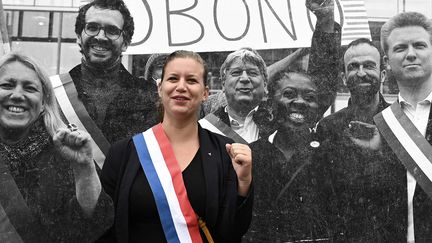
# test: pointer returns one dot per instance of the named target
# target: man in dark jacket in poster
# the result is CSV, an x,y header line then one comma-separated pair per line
x,y
357,182
101,95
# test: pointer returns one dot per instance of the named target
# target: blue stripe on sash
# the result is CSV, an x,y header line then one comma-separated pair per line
x,y
156,186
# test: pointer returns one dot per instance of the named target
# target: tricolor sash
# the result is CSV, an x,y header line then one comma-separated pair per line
x,y
75,112
216,125
409,145
179,221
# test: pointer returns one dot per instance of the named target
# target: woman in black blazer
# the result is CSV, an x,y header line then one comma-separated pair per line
x,y
215,173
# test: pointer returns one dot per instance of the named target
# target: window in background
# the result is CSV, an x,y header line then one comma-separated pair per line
x,y
69,57
35,24
381,9
421,6
12,18
45,53
68,30
77,3
37,33
19,2
55,21
52,3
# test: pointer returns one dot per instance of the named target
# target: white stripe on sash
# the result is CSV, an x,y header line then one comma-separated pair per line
x,y
410,146
168,187
69,112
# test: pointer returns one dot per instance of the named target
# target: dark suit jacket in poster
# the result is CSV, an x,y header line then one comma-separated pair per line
x,y
131,111
227,215
366,192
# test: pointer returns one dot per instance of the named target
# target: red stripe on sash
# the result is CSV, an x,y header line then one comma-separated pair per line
x,y
179,187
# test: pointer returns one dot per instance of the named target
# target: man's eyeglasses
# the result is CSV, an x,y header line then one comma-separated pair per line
x,y
237,72
111,32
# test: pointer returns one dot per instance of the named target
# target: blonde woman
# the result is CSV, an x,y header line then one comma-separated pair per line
x,y
49,189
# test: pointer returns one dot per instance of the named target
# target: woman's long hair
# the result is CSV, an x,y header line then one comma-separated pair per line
x,y
50,114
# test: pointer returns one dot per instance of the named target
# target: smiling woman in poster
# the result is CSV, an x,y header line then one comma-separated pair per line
x,y
49,189
286,206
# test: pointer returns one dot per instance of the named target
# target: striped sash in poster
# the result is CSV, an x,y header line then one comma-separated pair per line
x,y
409,145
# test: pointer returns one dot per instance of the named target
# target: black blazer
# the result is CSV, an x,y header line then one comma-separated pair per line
x,y
227,215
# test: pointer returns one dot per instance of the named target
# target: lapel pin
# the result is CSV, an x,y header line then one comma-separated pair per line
x,y
209,154
314,144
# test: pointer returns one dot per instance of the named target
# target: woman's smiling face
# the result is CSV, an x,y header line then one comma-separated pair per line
x,y
182,89
295,101
21,96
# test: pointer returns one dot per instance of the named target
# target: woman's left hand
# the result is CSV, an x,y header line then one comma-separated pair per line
x,y
74,146
241,157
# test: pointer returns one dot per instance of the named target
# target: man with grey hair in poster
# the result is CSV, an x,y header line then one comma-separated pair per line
x,y
245,78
